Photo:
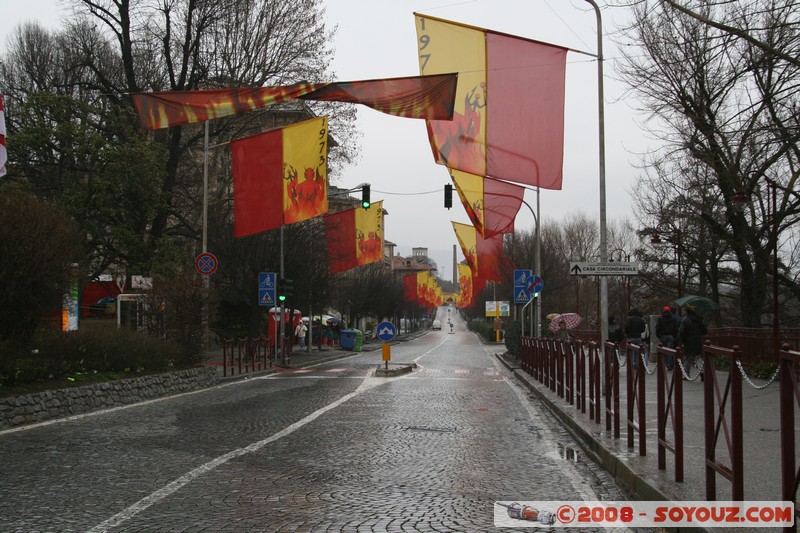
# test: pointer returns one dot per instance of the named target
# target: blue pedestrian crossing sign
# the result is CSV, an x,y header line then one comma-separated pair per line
x,y
266,289
386,331
521,296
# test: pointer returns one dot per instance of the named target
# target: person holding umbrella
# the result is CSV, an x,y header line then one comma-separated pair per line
x,y
690,333
635,326
667,331
562,333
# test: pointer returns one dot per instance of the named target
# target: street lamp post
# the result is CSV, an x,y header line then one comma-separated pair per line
x,y
623,253
656,241
772,206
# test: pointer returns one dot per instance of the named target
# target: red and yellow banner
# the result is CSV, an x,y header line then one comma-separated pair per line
x,y
423,289
466,296
484,256
509,116
280,176
426,97
491,205
354,237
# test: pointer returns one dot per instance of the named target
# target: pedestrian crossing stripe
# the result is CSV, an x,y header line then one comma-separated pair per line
x,y
266,299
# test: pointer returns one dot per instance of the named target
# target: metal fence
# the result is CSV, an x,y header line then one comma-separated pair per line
x,y
567,368
247,354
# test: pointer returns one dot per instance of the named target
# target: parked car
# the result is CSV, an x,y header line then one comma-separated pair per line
x,y
436,325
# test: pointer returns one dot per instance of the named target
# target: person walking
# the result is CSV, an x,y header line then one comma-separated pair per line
x,y
690,334
635,328
666,332
615,333
563,334
300,332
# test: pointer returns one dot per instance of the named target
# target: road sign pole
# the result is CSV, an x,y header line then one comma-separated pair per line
x,y
205,242
538,303
279,325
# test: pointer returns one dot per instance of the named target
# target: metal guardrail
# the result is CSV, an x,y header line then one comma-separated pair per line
x,y
565,370
670,409
714,410
253,353
789,400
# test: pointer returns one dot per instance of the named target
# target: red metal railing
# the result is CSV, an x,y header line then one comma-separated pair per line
x,y
581,356
594,381
635,387
227,355
612,368
566,374
789,398
715,407
670,408
252,353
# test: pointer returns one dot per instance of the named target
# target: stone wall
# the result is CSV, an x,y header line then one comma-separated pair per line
x,y
47,405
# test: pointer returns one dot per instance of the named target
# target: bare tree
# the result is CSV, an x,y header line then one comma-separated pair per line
x,y
747,28
727,114
114,47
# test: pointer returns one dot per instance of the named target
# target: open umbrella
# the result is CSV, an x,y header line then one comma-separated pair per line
x,y
700,303
551,316
572,320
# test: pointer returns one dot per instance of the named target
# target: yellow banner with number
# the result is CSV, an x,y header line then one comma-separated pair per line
x,y
444,47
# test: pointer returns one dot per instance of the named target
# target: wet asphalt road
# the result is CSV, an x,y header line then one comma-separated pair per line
x,y
325,448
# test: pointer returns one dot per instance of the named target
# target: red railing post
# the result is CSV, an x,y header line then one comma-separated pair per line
x,y
629,396
670,402
642,408
713,424
580,376
636,397
242,347
227,352
594,380
789,394
612,388
569,380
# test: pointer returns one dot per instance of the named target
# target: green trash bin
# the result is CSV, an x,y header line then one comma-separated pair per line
x,y
359,342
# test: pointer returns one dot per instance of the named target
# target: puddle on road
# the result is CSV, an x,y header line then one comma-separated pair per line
x,y
564,453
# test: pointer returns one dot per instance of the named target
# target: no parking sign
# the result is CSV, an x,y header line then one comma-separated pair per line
x,y
206,263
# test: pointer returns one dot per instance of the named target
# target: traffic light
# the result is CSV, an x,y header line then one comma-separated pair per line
x,y
281,290
448,196
365,203
288,287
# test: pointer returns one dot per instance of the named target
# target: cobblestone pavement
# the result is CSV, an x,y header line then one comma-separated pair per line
x,y
325,448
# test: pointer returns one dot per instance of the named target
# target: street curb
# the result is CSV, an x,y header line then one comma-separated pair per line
x,y
636,485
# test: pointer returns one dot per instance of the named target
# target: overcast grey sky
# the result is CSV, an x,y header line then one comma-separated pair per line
x,y
377,39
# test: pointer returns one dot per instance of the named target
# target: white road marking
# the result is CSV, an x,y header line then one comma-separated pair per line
x,y
125,515
431,350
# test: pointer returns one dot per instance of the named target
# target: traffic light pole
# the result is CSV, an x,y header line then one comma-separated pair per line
x,y
279,327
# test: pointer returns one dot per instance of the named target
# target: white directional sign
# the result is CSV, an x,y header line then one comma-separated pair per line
x,y
604,269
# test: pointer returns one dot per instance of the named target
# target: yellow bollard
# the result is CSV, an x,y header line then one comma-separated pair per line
x,y
386,351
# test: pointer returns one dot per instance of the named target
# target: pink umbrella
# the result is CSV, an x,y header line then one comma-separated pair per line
x,y
572,320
